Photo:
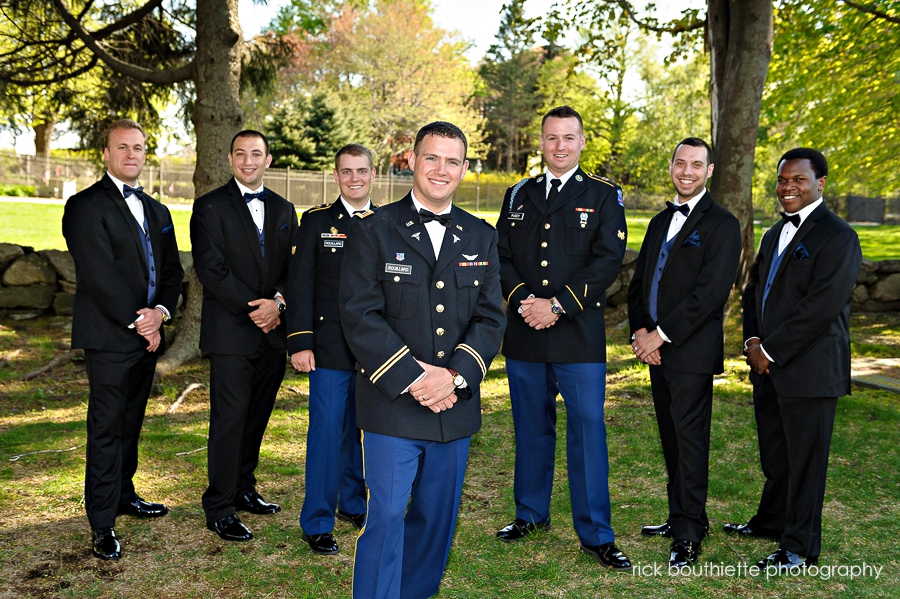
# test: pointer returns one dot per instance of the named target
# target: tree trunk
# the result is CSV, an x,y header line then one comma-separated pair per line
x,y
217,112
187,336
43,135
217,117
740,42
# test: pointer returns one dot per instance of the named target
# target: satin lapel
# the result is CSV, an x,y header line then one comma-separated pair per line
x,y
413,232
116,196
808,225
769,252
660,238
246,219
270,226
154,226
689,226
456,238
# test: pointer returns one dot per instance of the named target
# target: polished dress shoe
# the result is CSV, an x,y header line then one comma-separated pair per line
x,y
323,544
609,555
519,529
106,545
142,509
230,528
746,531
785,561
683,553
356,519
658,530
252,502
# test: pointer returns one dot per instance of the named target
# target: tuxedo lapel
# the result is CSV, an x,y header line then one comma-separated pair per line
x,y
247,225
808,225
119,202
689,226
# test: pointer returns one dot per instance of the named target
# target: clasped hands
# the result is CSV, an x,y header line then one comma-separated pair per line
x,y
537,313
147,325
266,315
435,390
756,359
646,346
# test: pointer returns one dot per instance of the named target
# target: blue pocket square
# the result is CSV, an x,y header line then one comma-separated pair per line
x,y
168,228
800,252
284,227
692,241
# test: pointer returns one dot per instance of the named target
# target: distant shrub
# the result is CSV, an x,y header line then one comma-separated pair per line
x,y
15,190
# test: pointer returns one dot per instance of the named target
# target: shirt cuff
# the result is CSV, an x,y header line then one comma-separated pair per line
x,y
766,354
166,316
418,378
663,335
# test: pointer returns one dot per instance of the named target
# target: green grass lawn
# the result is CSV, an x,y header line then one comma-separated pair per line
x,y
39,226
44,536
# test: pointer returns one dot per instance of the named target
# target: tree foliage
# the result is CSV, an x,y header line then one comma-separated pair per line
x,y
833,86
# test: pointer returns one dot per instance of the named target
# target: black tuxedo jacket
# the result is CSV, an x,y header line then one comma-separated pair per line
x,y
111,270
398,304
231,267
314,321
572,250
694,286
805,327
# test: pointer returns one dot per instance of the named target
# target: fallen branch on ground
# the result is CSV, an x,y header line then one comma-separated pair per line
x,y
180,400
16,457
62,358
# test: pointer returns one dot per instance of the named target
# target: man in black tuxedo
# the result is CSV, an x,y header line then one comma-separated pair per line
x,y
684,273
334,477
128,279
562,240
421,309
797,341
241,235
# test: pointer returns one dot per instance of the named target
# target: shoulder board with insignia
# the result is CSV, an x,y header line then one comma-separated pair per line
x,y
515,189
601,179
319,207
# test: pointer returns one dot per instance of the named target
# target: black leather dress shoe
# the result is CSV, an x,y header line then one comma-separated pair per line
x,y
106,545
746,531
230,528
323,544
252,502
683,553
658,530
142,509
356,519
609,555
519,529
783,561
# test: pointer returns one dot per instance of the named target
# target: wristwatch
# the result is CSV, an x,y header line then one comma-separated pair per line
x,y
554,307
281,305
458,380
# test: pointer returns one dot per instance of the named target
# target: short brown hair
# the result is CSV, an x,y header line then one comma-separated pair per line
x,y
355,150
563,112
122,124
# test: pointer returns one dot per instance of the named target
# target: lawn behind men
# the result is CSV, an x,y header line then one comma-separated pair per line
x,y
128,279
421,310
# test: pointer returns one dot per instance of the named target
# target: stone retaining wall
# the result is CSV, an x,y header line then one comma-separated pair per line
x,y
33,283
37,282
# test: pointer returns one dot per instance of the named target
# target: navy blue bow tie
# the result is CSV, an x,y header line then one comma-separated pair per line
x,y
791,218
682,208
426,216
261,196
128,190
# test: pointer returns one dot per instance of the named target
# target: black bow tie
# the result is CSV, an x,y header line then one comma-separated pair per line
x,y
791,218
682,208
261,196
426,216
128,190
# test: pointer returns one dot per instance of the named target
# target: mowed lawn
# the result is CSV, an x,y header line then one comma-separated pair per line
x,y
40,226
